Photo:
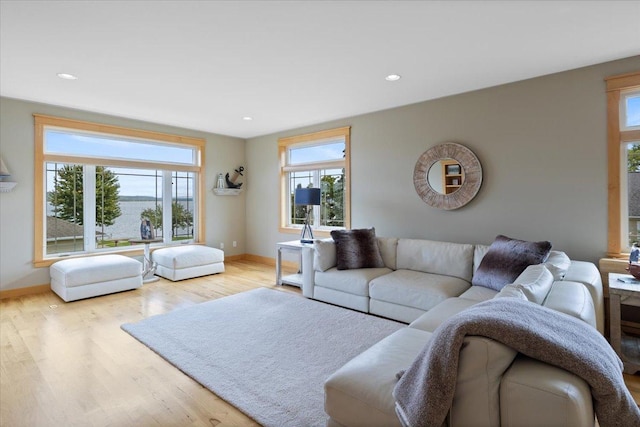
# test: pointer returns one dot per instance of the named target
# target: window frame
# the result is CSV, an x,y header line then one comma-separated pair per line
x,y
624,94
617,138
315,138
42,122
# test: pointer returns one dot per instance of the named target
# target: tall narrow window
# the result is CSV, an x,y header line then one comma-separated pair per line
x,y
632,204
64,208
182,206
98,187
630,121
317,160
623,142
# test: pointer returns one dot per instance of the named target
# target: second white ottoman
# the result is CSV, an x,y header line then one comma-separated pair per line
x,y
185,262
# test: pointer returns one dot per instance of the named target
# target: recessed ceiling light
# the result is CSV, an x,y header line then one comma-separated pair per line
x,y
67,76
392,77
247,118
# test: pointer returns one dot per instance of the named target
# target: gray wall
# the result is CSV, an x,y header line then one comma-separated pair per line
x,y
224,215
541,142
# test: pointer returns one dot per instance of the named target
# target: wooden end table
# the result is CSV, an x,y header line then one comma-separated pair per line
x,y
623,289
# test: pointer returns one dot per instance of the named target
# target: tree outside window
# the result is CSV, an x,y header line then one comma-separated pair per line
x,y
67,197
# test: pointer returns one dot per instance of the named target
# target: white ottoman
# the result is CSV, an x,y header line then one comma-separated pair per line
x,y
79,278
185,262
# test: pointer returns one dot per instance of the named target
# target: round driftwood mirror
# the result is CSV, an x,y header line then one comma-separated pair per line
x,y
447,176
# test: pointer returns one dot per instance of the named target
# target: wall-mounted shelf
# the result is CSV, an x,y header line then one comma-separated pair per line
x,y
227,191
452,176
6,186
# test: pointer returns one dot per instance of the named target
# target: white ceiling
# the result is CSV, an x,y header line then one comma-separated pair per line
x,y
204,65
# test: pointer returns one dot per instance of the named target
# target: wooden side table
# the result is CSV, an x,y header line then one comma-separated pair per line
x,y
292,246
623,288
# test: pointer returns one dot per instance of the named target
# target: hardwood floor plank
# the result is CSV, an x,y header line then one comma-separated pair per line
x,y
633,384
70,363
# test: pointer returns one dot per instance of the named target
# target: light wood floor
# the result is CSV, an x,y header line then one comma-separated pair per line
x,y
70,364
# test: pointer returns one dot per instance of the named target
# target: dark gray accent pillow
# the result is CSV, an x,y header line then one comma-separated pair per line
x,y
506,259
357,249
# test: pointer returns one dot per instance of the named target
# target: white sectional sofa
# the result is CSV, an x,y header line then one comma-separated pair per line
x,y
418,275
423,283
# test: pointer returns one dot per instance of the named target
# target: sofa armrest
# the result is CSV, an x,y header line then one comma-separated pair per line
x,y
481,367
571,298
533,393
587,274
308,273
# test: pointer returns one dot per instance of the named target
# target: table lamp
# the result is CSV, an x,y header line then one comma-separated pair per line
x,y
307,197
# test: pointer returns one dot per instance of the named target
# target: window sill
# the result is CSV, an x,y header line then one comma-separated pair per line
x,y
317,232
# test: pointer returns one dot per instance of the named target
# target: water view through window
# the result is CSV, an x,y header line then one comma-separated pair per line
x,y
124,198
102,187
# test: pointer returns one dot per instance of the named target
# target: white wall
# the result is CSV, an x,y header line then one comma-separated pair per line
x,y
541,142
224,218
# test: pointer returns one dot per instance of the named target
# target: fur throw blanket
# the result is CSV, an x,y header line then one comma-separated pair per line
x,y
425,390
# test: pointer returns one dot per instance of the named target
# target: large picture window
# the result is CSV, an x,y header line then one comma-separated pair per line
x,y
623,136
318,160
98,187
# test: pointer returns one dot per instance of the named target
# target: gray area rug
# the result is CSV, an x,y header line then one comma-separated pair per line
x,y
264,351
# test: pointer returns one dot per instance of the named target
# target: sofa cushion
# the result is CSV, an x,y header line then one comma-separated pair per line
x,y
535,394
588,274
388,249
532,285
350,281
506,259
481,367
360,392
357,249
415,288
572,298
558,264
479,251
478,293
399,312
324,254
450,259
430,320
511,291
535,282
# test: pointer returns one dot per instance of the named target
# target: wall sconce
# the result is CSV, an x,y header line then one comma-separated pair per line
x,y
5,186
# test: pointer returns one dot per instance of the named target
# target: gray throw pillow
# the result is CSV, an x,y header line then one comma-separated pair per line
x,y
357,249
506,259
